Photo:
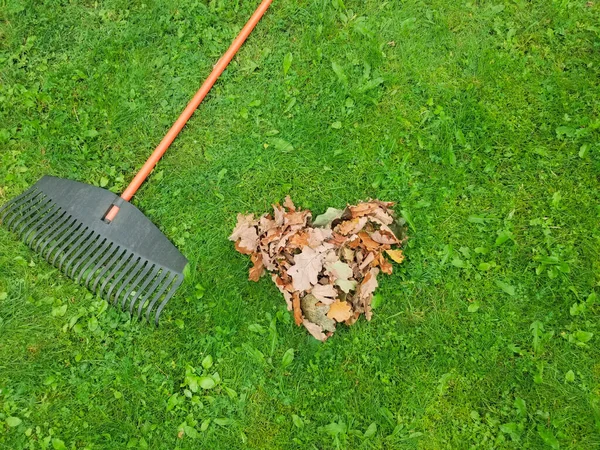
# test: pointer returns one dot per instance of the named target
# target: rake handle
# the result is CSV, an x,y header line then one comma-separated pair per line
x,y
218,69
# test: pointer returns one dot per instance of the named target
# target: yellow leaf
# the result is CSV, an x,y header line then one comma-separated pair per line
x,y
340,311
396,255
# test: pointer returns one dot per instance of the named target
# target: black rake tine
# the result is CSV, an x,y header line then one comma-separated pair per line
x,y
116,257
46,236
106,253
159,294
137,280
4,209
152,289
68,222
174,287
65,240
89,241
31,200
98,247
84,236
122,260
15,203
32,211
33,221
139,265
140,291
29,238
126,270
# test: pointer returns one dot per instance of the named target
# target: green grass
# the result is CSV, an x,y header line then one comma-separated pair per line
x,y
481,119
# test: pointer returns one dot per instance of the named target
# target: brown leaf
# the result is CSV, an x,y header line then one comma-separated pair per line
x,y
326,294
340,311
297,310
316,236
396,255
384,237
245,234
288,203
338,239
258,268
315,330
297,218
299,240
384,264
368,243
352,226
369,283
244,251
279,214
362,209
306,268
382,217
367,260
352,320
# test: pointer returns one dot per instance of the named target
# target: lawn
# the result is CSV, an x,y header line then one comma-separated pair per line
x,y
481,119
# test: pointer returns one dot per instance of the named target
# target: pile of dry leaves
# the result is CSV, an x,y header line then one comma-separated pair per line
x,y
326,269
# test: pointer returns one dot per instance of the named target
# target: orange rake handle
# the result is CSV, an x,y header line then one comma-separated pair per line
x,y
190,108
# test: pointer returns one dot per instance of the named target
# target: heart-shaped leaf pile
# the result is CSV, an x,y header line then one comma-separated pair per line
x,y
326,269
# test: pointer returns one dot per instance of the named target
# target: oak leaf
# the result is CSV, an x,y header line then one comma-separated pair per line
x,y
363,209
245,233
366,241
306,268
396,255
324,220
326,294
257,270
340,273
384,237
340,311
315,330
297,309
352,226
369,283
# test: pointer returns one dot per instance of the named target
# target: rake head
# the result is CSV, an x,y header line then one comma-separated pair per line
x,y
128,261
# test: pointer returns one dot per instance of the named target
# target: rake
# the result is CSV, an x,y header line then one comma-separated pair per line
x,y
100,239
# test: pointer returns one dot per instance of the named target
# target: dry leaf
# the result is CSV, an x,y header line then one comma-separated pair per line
x,y
369,283
384,237
396,255
384,264
288,203
352,226
315,330
362,209
297,310
367,260
340,274
324,220
340,311
299,239
326,294
245,233
258,268
366,241
306,268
